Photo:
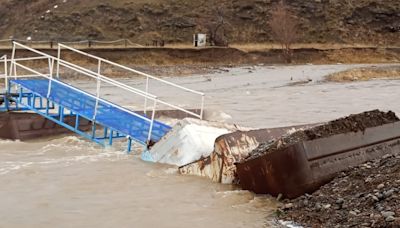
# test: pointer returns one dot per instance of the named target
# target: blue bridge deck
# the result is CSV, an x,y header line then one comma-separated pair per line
x,y
108,115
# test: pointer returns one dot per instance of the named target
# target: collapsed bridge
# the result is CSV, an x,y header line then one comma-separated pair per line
x,y
47,93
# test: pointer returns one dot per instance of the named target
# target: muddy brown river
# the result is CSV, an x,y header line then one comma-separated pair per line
x,y
67,181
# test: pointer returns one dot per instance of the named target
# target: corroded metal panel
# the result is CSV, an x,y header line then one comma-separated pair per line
x,y
305,166
25,126
231,148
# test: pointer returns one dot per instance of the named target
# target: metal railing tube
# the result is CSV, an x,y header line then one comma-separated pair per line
x,y
134,71
111,81
202,107
130,69
50,80
152,121
15,71
50,68
12,59
179,108
88,94
58,62
99,67
5,73
29,58
103,78
32,50
97,97
147,91
23,76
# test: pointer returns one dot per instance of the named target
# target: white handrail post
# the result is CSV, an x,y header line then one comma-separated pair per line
x,y
130,69
58,61
152,121
98,87
99,67
50,66
202,107
147,91
100,79
15,71
49,87
12,65
6,73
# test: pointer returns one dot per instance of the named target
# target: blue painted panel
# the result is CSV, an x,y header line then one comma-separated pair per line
x,y
107,115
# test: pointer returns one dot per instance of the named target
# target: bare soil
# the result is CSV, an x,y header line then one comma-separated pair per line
x,y
188,61
175,21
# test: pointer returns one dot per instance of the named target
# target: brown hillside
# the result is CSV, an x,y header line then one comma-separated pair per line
x,y
322,21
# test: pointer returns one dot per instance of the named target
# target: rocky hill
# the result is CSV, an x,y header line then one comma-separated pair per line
x,y
321,21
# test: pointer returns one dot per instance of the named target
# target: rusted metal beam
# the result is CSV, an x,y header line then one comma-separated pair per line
x,y
25,126
231,148
305,166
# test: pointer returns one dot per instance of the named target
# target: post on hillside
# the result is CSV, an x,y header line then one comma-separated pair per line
x,y
89,43
126,43
51,44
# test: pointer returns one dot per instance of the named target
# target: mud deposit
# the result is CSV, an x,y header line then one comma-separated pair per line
x,y
352,123
364,196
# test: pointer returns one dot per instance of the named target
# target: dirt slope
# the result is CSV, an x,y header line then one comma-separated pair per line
x,y
334,21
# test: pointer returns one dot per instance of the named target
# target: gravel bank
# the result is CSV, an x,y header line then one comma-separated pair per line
x,y
364,196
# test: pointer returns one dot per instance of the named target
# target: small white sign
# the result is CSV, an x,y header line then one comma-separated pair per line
x,y
200,40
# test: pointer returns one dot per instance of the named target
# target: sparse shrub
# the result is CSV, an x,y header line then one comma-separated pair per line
x,y
284,26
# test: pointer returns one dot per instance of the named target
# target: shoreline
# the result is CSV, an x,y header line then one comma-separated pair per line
x,y
220,56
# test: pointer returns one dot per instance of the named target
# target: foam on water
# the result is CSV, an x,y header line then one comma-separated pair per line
x,y
7,167
217,115
64,151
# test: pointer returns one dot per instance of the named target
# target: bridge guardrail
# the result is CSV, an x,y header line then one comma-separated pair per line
x,y
52,60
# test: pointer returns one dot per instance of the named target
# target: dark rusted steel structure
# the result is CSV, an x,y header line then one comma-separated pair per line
x,y
25,126
231,148
305,166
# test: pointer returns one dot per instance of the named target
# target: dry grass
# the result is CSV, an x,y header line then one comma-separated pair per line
x,y
365,74
362,56
248,47
268,46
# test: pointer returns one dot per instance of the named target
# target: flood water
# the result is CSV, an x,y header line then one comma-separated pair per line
x,y
67,181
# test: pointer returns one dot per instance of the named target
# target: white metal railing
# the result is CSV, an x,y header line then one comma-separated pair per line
x,y
4,60
100,78
147,76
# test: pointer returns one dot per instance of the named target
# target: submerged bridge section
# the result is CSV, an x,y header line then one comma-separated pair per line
x,y
50,96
